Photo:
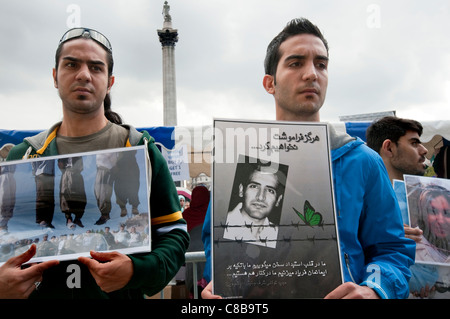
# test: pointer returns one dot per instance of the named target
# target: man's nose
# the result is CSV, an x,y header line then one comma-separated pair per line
x,y
83,73
310,72
260,195
423,151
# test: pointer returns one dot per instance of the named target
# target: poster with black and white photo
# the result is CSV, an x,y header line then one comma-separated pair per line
x,y
71,204
274,232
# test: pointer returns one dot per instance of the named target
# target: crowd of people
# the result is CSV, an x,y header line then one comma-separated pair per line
x,y
296,75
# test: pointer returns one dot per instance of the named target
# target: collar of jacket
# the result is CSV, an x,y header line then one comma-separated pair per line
x,y
341,143
41,141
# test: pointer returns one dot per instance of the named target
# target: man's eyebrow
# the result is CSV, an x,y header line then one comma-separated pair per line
x,y
295,57
322,57
73,59
303,57
259,184
415,139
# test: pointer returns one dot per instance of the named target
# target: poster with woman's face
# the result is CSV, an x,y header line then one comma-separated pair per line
x,y
428,200
429,209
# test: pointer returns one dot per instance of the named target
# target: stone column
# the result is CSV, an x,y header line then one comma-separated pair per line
x,y
168,37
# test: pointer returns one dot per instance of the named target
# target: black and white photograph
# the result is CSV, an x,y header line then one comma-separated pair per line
x,y
70,205
274,224
256,202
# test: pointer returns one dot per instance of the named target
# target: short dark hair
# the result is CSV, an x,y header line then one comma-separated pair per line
x,y
110,115
292,28
390,128
268,168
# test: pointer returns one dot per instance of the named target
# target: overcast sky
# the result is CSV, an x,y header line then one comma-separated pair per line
x,y
384,55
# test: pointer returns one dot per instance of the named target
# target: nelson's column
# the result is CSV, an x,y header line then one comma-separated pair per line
x,y
168,37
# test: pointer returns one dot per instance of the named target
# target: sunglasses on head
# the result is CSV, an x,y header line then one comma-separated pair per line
x,y
86,33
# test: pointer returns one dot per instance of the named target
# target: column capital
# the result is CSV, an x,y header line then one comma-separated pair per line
x,y
168,37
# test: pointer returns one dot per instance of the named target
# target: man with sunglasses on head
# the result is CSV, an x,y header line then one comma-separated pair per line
x,y
83,77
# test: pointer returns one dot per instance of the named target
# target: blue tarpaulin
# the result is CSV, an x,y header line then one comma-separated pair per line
x,y
357,129
162,134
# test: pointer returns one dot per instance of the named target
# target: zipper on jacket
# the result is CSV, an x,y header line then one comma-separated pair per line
x,y
347,263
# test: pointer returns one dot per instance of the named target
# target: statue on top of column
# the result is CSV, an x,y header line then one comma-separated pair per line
x,y
165,12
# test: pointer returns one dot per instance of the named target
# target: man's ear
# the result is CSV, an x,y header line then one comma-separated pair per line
x,y
278,200
388,148
269,83
111,82
241,190
55,82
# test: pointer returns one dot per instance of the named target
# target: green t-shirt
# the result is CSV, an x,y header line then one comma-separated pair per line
x,y
152,271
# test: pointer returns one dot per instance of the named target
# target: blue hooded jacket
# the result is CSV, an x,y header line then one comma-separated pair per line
x,y
373,246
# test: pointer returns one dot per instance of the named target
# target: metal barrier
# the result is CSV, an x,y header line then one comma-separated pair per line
x,y
193,257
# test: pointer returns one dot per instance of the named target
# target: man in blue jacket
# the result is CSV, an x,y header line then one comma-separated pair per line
x,y
376,254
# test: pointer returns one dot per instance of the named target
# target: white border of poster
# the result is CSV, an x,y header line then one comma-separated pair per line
x,y
274,229
37,196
